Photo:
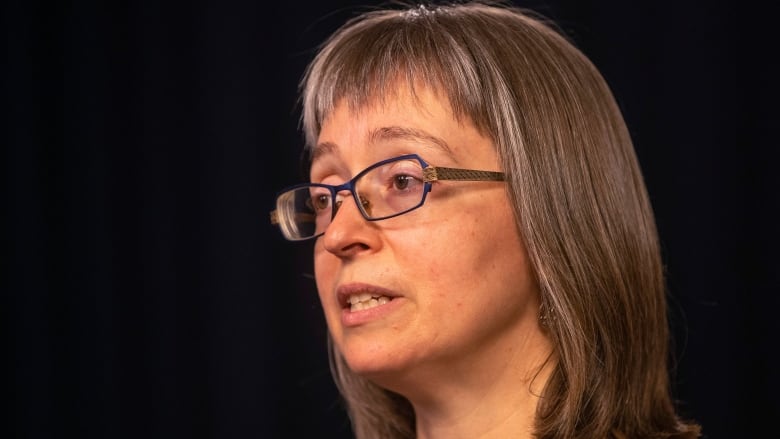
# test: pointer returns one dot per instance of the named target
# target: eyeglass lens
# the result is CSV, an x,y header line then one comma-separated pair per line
x,y
383,191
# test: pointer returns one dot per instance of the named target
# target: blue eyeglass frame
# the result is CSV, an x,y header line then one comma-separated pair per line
x,y
430,175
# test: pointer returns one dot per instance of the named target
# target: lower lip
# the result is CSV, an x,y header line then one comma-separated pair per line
x,y
357,318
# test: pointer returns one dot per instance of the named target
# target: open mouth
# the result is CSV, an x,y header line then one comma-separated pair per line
x,y
359,302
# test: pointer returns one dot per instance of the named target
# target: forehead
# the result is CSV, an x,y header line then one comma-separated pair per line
x,y
419,115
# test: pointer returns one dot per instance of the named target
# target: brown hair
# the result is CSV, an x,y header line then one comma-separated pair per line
x,y
577,192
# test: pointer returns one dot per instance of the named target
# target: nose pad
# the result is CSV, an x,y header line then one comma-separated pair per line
x,y
347,233
337,207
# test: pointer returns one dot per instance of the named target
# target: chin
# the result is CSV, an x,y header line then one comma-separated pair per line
x,y
374,364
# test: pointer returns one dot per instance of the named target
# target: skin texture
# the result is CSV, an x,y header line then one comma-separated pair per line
x,y
462,329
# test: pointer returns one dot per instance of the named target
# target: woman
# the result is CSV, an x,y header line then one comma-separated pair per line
x,y
486,255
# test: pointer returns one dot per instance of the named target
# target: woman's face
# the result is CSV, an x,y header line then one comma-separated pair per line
x,y
454,273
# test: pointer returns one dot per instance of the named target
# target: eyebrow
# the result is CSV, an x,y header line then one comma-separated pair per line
x,y
385,134
321,149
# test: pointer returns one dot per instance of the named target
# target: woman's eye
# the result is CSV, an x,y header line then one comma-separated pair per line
x,y
402,182
321,202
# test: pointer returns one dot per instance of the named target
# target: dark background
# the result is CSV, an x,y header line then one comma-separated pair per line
x,y
144,293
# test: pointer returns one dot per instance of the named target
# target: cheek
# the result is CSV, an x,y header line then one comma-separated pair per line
x,y
450,256
476,251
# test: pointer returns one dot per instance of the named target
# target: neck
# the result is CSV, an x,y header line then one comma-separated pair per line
x,y
484,398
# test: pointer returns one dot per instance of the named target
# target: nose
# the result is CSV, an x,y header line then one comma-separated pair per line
x,y
349,232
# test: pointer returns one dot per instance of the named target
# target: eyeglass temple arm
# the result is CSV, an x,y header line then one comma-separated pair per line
x,y
434,173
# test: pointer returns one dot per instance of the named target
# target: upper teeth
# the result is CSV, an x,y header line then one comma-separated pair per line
x,y
366,300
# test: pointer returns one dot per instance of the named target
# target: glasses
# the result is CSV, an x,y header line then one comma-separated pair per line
x,y
384,190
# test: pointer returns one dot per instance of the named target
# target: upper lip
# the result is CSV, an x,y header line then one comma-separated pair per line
x,y
343,292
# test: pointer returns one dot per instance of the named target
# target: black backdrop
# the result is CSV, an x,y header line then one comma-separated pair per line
x,y
146,295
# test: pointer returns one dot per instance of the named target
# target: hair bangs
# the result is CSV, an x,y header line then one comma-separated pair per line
x,y
371,60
